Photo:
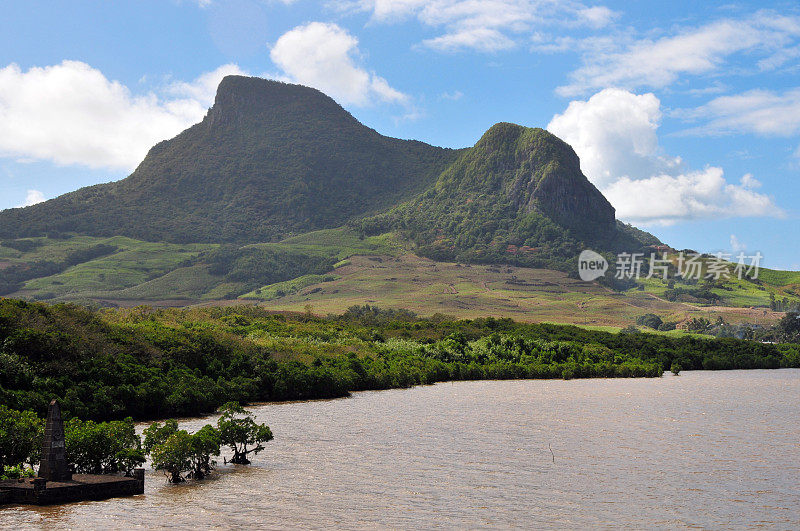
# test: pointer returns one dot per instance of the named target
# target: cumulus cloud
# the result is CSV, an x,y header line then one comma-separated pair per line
x,y
667,199
204,87
486,26
756,111
657,63
33,197
615,134
324,56
71,113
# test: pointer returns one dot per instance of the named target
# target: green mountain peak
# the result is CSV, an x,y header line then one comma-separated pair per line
x,y
272,159
269,160
518,195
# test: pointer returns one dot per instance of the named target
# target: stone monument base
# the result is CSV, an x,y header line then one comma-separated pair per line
x,y
36,491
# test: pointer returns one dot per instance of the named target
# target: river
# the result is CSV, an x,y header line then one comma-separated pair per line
x,y
704,449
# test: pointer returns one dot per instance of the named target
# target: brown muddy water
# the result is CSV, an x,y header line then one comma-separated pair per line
x,y
714,450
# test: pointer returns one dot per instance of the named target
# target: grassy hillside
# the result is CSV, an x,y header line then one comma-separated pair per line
x,y
138,271
472,291
331,270
132,263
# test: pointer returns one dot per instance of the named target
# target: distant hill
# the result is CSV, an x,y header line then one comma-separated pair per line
x,y
279,184
269,160
517,196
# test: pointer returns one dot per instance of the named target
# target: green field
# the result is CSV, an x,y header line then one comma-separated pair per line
x,y
379,270
153,272
134,264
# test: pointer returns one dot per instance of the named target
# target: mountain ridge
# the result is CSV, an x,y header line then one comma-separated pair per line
x,y
517,196
269,160
272,160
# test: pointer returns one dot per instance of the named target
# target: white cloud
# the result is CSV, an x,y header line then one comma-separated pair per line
x,y
756,111
715,88
482,25
660,62
667,199
452,96
615,135
480,39
204,88
323,56
71,113
736,245
33,197
597,16
750,182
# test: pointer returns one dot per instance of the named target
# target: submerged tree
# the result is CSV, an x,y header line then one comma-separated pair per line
x,y
239,430
157,433
176,451
205,443
174,455
129,459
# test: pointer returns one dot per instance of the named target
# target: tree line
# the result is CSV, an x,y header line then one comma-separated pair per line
x,y
159,363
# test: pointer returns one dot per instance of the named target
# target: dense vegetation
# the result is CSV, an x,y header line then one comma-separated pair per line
x,y
148,363
518,196
113,447
269,159
253,267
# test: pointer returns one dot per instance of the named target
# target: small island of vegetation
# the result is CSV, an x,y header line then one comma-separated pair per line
x,y
114,447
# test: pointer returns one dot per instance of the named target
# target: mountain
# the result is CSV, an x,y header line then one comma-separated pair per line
x,y
517,196
278,183
269,160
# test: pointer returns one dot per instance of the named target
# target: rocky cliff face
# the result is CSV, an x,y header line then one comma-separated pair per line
x,y
549,179
527,170
518,195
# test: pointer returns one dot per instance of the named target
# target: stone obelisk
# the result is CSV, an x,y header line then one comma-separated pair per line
x,y
53,465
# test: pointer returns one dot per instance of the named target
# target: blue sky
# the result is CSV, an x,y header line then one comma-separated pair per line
x,y
685,114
